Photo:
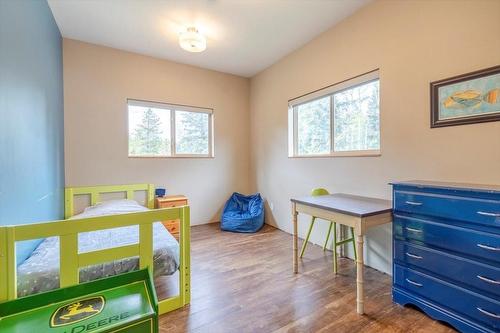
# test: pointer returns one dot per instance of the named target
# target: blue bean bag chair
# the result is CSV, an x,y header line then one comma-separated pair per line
x,y
243,213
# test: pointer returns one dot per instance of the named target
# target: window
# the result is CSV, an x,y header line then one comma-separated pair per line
x,y
341,120
313,127
169,130
191,132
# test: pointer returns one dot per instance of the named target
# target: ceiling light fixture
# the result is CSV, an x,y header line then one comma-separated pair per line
x,y
192,41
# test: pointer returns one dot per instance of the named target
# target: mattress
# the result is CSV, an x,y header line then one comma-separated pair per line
x,y
40,272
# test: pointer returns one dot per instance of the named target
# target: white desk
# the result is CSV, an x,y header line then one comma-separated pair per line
x,y
360,213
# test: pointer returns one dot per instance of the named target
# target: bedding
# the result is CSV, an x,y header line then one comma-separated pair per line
x,y
25,248
40,272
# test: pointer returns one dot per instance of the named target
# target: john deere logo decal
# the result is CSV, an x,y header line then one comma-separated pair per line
x,y
77,311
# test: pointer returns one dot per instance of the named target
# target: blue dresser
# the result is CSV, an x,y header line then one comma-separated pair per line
x,y
446,248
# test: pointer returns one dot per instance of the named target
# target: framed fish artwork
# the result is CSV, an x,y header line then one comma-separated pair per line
x,y
466,99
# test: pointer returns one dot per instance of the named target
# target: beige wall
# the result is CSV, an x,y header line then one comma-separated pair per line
x,y
97,83
413,43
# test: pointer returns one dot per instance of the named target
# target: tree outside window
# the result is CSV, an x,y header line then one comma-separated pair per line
x,y
343,120
150,132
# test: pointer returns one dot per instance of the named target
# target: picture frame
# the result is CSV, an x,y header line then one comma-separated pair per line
x,y
466,99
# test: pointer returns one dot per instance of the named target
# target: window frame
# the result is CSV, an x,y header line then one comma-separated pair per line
x,y
173,108
330,91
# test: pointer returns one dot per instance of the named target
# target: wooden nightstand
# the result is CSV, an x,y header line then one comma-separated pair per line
x,y
173,226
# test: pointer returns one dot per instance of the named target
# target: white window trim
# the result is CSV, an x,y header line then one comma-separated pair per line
x,y
172,108
321,93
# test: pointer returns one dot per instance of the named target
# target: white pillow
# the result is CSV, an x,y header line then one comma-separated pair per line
x,y
111,207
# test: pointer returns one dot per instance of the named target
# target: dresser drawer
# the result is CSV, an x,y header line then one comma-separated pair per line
x,y
485,278
475,306
461,240
480,211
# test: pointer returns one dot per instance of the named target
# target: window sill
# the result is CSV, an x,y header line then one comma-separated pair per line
x,y
172,157
357,153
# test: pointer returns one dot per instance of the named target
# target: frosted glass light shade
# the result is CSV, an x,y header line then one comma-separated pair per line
x,y
192,41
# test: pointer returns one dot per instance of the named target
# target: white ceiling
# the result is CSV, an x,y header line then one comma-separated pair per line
x,y
243,36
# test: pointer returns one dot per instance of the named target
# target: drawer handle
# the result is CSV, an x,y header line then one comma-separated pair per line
x,y
414,230
489,214
414,283
413,203
413,256
487,280
489,313
486,247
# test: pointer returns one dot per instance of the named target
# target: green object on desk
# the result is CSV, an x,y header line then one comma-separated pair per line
x,y
317,192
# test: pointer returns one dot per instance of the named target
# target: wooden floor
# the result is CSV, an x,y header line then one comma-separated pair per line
x,y
244,283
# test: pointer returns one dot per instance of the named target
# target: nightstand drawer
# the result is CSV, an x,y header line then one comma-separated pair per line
x,y
173,226
460,240
475,306
483,277
479,211
169,204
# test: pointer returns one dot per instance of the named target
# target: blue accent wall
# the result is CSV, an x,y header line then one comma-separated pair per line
x,y
31,114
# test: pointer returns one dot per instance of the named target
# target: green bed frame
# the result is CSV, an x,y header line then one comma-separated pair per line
x,y
67,231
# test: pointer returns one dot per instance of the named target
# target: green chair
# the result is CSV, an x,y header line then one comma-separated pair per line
x,y
335,243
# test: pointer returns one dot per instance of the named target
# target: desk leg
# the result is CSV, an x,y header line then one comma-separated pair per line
x,y
360,298
295,240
